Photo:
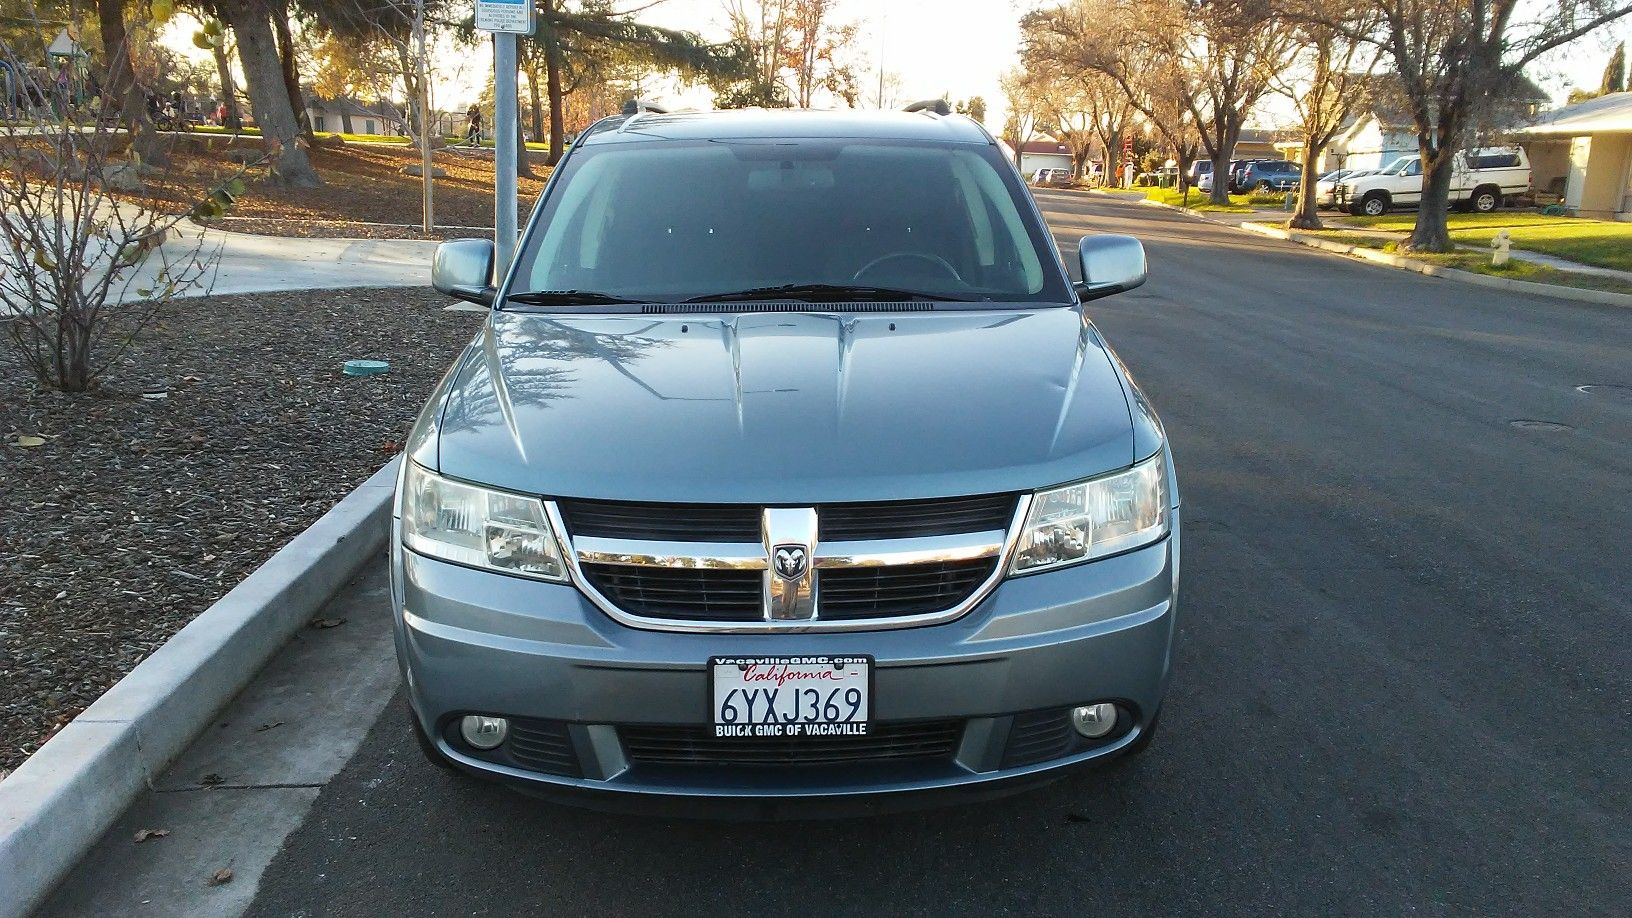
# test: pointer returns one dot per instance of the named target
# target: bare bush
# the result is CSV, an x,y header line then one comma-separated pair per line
x,y
90,251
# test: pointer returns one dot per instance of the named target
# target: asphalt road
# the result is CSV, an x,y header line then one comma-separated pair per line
x,y
1403,670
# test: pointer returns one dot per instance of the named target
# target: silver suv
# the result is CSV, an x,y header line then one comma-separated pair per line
x,y
786,464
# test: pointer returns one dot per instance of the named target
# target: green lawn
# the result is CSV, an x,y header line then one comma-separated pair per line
x,y
1600,243
1479,263
1198,201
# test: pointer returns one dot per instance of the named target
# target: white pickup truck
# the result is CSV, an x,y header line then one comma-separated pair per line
x,y
1481,180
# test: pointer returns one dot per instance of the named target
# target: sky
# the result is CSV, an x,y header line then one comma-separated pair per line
x,y
958,48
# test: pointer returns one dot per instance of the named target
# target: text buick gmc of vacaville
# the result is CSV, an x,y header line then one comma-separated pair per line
x,y
787,466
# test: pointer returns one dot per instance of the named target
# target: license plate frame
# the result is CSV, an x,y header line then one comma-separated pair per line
x,y
779,726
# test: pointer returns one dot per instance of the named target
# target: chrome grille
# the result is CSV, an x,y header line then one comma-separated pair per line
x,y
841,566
905,589
681,592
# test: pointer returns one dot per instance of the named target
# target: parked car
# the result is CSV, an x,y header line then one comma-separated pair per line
x,y
787,464
1326,185
1269,175
1481,180
1051,177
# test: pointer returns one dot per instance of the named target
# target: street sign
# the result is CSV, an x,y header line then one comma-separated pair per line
x,y
515,16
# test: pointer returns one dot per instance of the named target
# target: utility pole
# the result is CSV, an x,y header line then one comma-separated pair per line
x,y
422,69
505,19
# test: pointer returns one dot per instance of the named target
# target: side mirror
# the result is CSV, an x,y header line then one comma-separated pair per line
x,y
463,268
1110,264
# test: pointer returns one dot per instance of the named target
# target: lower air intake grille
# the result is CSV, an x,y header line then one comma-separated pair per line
x,y
907,589
543,746
684,593
1039,736
919,741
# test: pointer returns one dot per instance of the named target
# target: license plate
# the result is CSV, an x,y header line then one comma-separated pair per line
x,y
791,696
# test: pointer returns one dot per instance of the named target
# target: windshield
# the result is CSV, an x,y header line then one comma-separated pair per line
x,y
671,221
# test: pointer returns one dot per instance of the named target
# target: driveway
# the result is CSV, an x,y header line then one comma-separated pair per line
x,y
1402,681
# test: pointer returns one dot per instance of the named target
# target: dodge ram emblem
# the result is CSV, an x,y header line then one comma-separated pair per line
x,y
791,561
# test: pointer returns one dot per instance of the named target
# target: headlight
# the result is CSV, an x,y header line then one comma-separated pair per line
x,y
478,527
1092,519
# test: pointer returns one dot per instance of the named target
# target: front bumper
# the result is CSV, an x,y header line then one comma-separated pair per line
x,y
541,654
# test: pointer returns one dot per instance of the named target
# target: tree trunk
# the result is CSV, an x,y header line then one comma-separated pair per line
x,y
1221,177
120,87
345,121
524,166
1307,216
268,97
536,100
291,70
1432,234
552,71
229,90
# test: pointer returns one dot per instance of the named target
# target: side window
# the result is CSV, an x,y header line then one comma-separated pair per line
x,y
1506,160
1412,167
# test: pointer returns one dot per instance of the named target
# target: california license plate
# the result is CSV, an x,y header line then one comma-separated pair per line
x,y
791,696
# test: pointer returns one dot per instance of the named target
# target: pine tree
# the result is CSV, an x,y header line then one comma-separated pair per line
x,y
1615,72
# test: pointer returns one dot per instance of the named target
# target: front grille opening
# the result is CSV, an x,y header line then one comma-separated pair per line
x,y
1043,736
682,593
544,746
934,740
841,522
907,589
911,519
670,522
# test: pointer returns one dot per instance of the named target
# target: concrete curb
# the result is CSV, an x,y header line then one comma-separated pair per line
x,y
1604,297
60,801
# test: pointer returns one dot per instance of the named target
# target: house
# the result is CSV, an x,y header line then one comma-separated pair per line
x,y
1257,143
1381,130
1044,153
1583,152
348,116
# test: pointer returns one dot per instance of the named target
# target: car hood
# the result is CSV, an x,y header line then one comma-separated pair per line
x,y
784,407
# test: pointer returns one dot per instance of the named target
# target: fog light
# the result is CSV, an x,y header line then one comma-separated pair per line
x,y
1091,720
483,732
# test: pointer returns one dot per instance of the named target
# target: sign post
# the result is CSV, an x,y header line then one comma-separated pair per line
x,y
505,19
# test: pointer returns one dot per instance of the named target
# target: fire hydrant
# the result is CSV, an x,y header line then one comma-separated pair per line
x,y
1500,246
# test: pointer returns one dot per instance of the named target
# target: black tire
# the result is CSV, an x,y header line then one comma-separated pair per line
x,y
1374,204
432,754
1263,187
1485,199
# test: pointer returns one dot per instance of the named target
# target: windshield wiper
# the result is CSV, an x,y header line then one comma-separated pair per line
x,y
823,293
570,298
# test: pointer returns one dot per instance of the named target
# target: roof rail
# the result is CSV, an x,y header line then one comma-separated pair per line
x,y
637,106
938,106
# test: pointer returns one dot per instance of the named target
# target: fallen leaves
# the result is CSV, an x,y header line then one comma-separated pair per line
x,y
143,835
221,877
212,780
323,623
28,441
265,727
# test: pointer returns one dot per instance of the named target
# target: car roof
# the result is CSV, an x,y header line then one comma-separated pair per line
x,y
792,124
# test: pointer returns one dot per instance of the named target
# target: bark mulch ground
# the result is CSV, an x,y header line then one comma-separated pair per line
x,y
364,194
139,510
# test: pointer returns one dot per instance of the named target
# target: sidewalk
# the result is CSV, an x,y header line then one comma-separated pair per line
x,y
249,263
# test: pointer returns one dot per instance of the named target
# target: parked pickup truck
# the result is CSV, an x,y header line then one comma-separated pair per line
x,y
1481,180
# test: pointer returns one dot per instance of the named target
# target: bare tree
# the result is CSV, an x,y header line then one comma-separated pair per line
x,y
88,258
1328,82
1025,101
1458,64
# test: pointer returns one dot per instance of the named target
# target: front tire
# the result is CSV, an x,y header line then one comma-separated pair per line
x,y
1374,204
1486,199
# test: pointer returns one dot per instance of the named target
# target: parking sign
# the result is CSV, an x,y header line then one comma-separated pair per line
x,y
505,16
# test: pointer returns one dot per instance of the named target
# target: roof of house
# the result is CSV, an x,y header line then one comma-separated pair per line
x,y
1045,145
1611,113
